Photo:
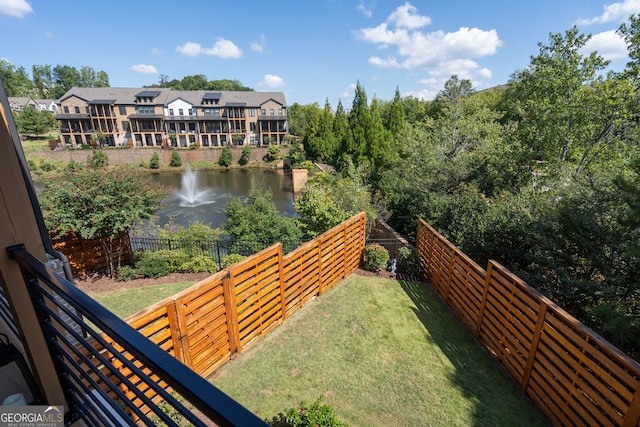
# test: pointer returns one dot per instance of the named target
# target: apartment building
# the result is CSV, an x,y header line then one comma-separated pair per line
x,y
154,117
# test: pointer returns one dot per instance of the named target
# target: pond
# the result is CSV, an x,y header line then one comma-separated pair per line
x,y
209,191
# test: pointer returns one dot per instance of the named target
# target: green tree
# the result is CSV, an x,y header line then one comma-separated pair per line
x,y
245,156
33,122
97,159
395,122
15,80
154,161
568,111
327,200
100,204
176,160
257,219
226,157
462,122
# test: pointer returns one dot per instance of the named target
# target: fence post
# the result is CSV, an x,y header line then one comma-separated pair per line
x,y
283,301
483,303
231,311
319,281
542,314
632,417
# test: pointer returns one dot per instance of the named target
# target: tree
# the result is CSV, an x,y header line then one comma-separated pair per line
x,y
15,80
33,122
226,157
100,204
257,219
97,159
326,201
154,161
462,122
176,160
395,121
568,110
246,155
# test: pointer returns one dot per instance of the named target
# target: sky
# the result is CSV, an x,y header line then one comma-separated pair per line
x,y
311,50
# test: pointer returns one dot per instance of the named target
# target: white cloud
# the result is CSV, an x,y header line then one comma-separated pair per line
x,y
614,12
406,16
272,81
608,44
223,48
258,46
364,9
144,69
382,34
17,8
425,94
157,52
437,54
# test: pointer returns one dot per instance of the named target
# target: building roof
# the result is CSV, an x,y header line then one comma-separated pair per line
x,y
127,96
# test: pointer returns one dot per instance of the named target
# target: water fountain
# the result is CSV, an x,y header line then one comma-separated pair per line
x,y
189,193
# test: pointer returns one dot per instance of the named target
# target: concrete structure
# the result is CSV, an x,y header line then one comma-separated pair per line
x,y
156,117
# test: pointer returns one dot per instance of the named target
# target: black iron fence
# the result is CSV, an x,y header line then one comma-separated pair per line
x,y
112,374
216,249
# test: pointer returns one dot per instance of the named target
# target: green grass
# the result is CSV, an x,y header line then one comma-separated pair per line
x,y
382,353
126,302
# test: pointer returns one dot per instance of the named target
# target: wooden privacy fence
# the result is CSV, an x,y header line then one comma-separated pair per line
x,y
206,324
89,255
574,375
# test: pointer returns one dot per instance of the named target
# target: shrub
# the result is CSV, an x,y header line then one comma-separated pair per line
x,y
126,273
154,161
273,153
409,260
232,259
226,158
246,155
153,265
176,160
199,264
303,415
97,159
73,166
376,257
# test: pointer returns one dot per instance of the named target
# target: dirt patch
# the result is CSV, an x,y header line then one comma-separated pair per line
x,y
101,283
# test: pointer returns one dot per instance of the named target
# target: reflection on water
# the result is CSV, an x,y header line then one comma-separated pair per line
x,y
219,185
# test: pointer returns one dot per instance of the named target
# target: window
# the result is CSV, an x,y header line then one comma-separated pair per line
x,y
171,111
76,109
263,112
65,109
123,110
190,112
271,113
279,111
181,111
252,126
252,112
125,126
145,109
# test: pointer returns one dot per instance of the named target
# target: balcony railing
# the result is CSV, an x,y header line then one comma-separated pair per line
x,y
111,373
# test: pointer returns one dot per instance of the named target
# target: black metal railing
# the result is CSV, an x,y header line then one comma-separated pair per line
x,y
110,372
216,249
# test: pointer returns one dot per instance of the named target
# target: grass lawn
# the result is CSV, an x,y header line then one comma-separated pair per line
x,y
124,303
382,353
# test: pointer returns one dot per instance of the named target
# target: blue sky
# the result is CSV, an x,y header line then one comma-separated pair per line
x,y
311,50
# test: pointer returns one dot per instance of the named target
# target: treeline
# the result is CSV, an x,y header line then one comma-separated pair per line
x,y
52,82
542,175
47,82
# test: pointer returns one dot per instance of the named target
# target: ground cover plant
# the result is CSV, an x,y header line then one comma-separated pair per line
x,y
381,352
